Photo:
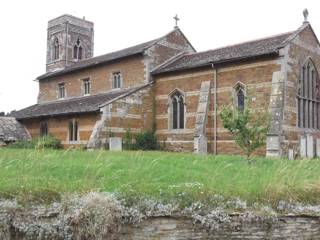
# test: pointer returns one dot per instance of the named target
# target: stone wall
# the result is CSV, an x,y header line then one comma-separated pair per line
x,y
169,228
133,114
303,46
256,76
67,29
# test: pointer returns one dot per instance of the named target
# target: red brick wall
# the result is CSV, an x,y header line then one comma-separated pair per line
x,y
257,77
132,70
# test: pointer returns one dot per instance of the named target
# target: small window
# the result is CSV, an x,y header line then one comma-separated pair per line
x,y
77,50
73,130
61,90
86,86
44,128
239,96
117,80
56,49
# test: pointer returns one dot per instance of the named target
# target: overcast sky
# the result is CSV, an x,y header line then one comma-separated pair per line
x,y
207,24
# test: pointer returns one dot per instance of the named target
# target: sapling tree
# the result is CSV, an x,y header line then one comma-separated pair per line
x,y
249,127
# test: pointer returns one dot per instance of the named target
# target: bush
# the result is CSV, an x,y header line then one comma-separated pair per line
x,y
48,142
44,142
146,141
26,144
249,127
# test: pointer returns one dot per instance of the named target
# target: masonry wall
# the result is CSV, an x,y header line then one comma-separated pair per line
x,y
133,114
257,78
59,127
296,53
132,70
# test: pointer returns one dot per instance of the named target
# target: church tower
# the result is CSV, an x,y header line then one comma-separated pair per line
x,y
69,40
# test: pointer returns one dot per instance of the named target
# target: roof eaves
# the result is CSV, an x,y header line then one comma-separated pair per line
x,y
57,114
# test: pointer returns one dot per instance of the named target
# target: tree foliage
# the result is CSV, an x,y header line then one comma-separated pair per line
x,y
248,127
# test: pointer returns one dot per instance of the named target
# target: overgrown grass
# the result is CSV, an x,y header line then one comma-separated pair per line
x,y
43,175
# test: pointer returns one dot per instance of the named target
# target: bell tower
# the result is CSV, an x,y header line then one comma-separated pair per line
x,y
69,40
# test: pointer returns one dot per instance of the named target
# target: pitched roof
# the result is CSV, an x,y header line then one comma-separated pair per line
x,y
130,51
255,48
83,104
12,130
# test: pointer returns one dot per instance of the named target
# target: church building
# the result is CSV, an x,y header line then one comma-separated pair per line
x,y
166,83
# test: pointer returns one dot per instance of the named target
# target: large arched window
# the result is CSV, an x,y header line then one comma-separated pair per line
x,y
77,50
177,106
308,98
56,49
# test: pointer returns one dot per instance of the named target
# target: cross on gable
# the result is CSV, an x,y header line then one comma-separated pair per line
x,y
176,18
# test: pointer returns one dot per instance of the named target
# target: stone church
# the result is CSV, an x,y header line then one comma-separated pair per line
x,y
166,83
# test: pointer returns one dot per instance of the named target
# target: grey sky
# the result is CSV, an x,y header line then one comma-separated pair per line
x,y
119,24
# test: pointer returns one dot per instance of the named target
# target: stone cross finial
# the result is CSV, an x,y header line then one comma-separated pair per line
x,y
176,19
305,15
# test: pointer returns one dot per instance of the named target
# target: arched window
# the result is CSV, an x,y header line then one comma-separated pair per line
x,y
56,49
73,130
77,50
239,96
308,97
177,110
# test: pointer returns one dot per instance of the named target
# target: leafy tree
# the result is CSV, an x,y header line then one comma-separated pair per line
x,y
248,127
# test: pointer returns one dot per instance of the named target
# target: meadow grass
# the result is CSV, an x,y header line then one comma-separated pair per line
x,y
45,175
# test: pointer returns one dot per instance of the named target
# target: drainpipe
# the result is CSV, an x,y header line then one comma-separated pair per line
x,y
214,109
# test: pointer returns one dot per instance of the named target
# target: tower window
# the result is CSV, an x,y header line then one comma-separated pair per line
x,y
86,86
56,49
44,128
61,90
77,50
73,130
177,111
117,80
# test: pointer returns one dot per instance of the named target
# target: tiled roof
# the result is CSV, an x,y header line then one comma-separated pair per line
x,y
101,59
83,104
260,47
68,106
12,130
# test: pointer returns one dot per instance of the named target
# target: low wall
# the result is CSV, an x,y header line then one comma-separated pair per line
x,y
169,228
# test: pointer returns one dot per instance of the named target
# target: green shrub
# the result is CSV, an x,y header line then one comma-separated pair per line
x,y
26,144
146,141
128,140
46,142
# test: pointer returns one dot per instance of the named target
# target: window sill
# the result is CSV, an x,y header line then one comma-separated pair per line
x,y
177,131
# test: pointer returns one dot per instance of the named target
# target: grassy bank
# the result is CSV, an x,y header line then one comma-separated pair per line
x,y
45,175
